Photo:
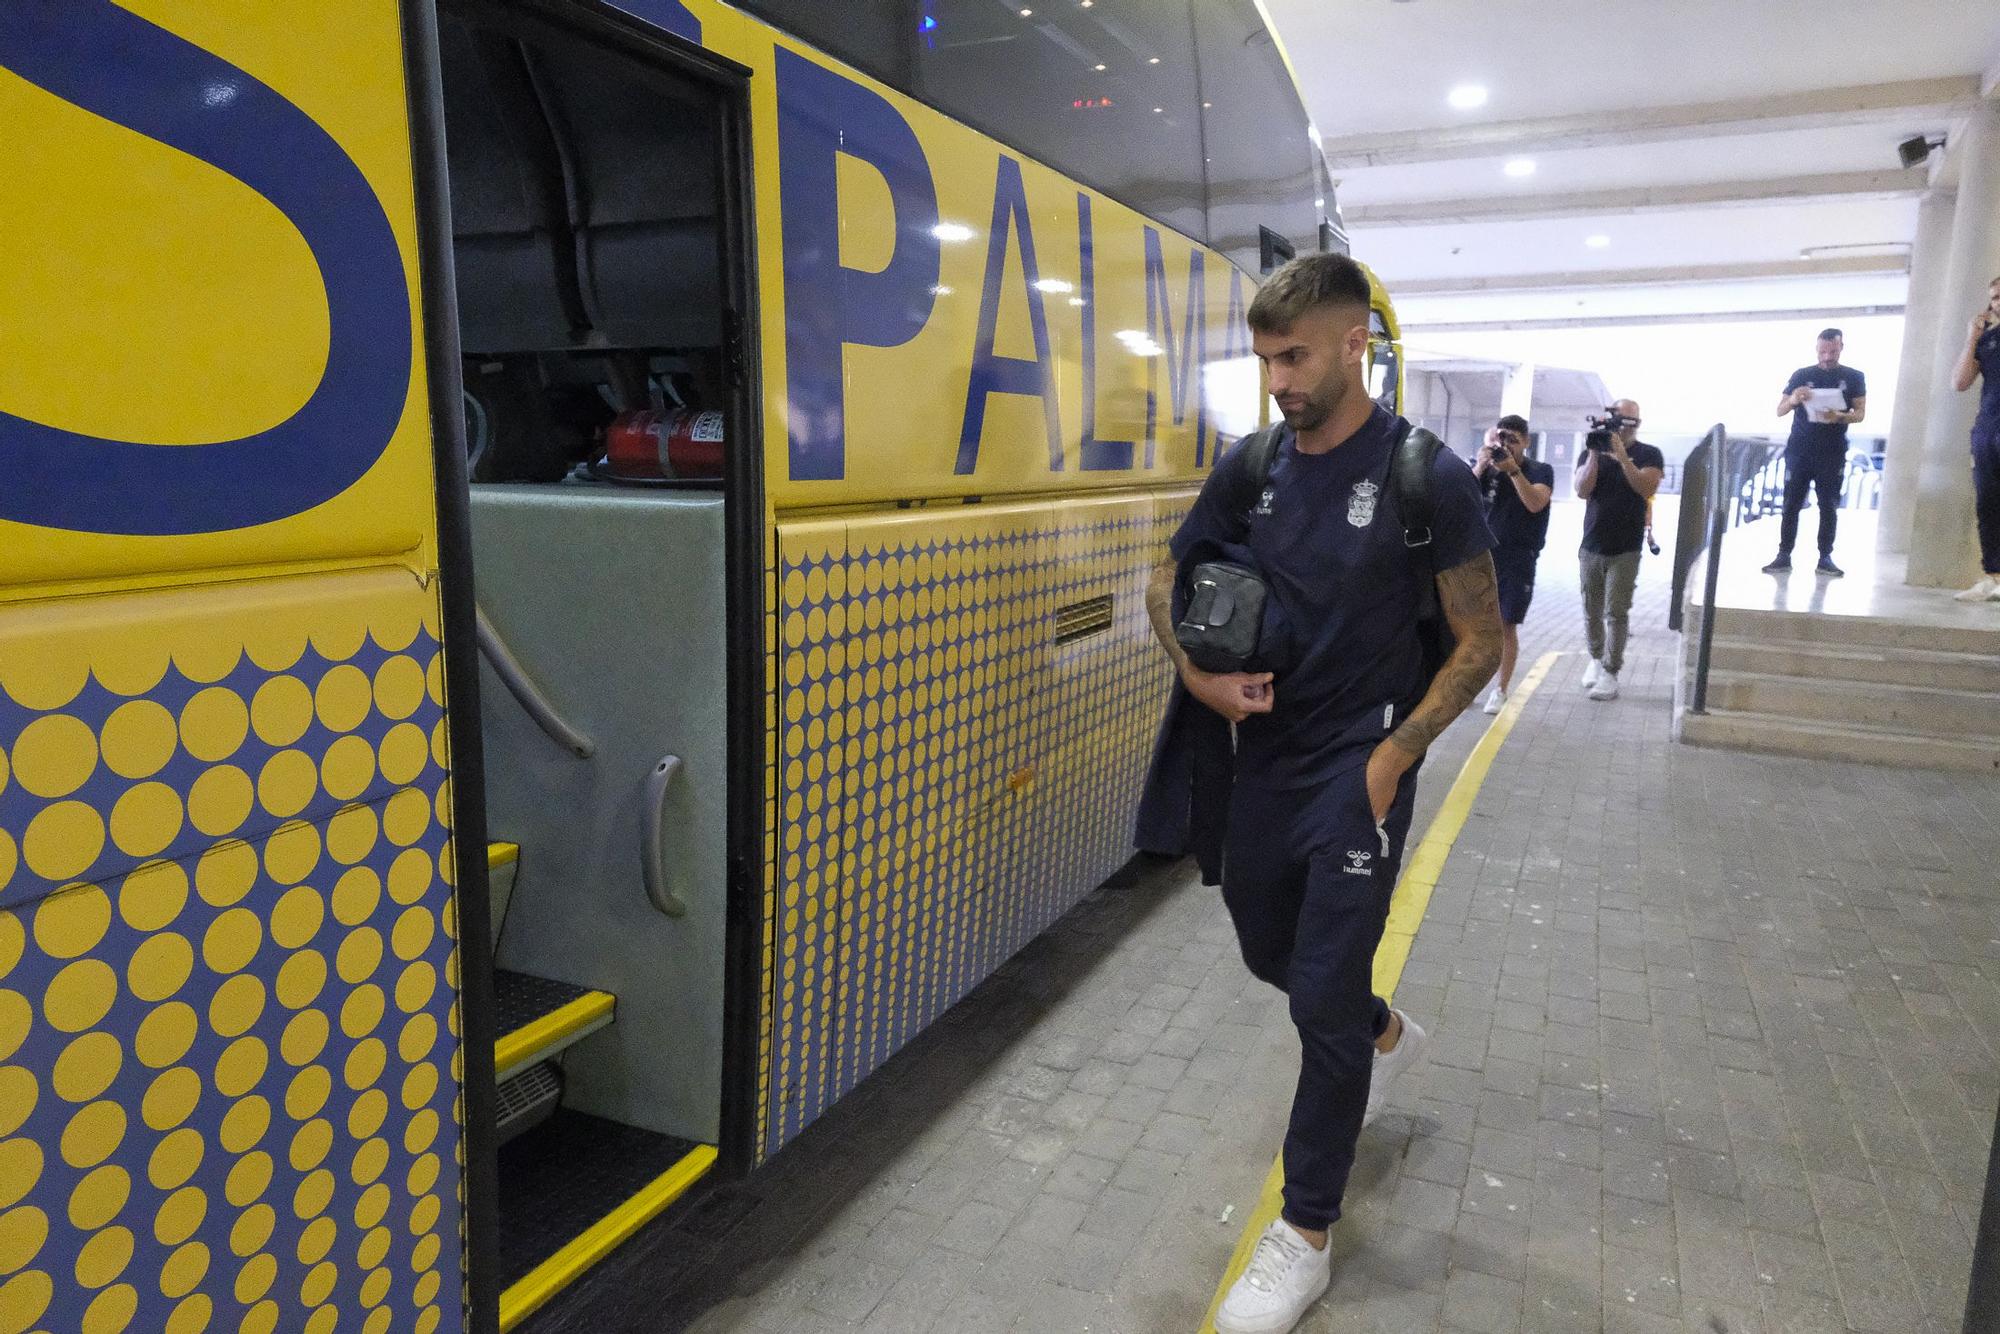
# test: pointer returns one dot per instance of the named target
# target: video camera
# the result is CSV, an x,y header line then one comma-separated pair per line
x,y
1603,428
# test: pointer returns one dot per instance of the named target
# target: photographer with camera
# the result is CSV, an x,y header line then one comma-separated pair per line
x,y
1616,475
1824,399
1518,490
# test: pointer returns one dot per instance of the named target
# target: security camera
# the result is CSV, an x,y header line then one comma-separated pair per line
x,y
1915,150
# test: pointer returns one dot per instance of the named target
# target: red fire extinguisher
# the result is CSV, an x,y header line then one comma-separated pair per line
x,y
675,443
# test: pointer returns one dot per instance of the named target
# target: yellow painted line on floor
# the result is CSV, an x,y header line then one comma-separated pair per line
x,y
1407,906
537,1035
528,1293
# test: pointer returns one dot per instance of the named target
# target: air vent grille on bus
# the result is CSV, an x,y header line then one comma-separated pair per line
x,y
1080,620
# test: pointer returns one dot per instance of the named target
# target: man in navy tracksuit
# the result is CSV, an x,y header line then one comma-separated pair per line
x,y
1816,451
1326,756
1980,363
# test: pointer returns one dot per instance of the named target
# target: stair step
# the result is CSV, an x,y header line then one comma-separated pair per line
x,y
539,1016
1915,710
1859,662
1777,735
1874,631
572,1190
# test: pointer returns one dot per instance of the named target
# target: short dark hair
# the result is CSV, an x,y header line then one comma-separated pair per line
x,y
1514,422
1307,283
1828,335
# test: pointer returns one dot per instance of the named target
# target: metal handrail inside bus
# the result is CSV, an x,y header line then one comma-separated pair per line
x,y
515,677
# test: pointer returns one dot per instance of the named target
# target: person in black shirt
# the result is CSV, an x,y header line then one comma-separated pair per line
x,y
1616,475
1816,453
1517,494
1981,361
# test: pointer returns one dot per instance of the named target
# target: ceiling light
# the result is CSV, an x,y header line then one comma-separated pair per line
x,y
1098,68
1158,110
1597,241
1027,13
1468,96
952,231
1520,166
1154,61
1088,3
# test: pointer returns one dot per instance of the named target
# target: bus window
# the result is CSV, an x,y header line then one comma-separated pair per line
x,y
1260,170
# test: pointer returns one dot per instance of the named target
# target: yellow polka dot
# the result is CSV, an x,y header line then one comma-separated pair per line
x,y
111,1311
139,739
214,724
219,801
308,1092
244,1124
297,917
259,1319
153,896
399,687
301,978
347,768
232,940
99,1197
22,1232
373,1289
304,1038
9,859
23,1298
317,1287
405,817
374,1247
426,1289
80,995
20,1169
415,987
419,1035
248,1179
175,1159
86,1067
281,710
356,894
191,1316
292,852
420,1085
441,746
365,1117
165,1035
343,698
403,754
252,1229
54,755
360,954
104,1257
370,1161
424,1217
313,1194
286,783
160,966
311,1144
70,923
423,1174
434,678
316,1239
409,876
236,1005
373,1204
425,1253
63,841
225,873
180,1217
365,1063
421,1132
184,1269
240,1066
254,1279
171,1098
146,819
413,933
361,1011
16,1018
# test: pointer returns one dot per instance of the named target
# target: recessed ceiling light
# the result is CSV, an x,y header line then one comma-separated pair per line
x,y
1520,166
1088,3
1158,110
1468,96
1597,240
1154,61
1027,13
1098,68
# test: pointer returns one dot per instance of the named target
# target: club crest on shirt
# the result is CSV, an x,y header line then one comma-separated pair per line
x,y
1361,504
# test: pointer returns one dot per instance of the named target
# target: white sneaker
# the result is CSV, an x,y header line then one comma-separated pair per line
x,y
1606,687
1591,673
1496,698
1986,590
1284,1277
1409,1049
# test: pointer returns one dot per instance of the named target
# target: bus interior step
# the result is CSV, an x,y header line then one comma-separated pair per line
x,y
539,1016
571,1190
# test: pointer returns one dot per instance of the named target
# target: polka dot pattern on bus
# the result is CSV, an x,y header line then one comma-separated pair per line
x,y
228,983
950,778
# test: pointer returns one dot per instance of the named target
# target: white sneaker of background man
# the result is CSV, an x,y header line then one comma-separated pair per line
x,y
1986,590
1606,685
1591,673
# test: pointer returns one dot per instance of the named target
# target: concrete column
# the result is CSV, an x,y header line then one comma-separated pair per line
x,y
1922,322
1943,552
1517,392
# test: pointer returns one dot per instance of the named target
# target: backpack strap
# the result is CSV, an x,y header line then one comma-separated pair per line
x,y
1411,468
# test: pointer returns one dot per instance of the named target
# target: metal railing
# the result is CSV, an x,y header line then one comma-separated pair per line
x,y
1860,486
1719,476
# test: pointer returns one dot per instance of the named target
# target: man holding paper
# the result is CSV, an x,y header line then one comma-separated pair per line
x,y
1824,399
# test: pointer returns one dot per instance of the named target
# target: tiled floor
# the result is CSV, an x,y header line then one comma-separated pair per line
x,y
1715,1051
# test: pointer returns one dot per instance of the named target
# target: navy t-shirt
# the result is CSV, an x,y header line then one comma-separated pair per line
x,y
1817,442
1516,532
1332,554
1614,518
1986,426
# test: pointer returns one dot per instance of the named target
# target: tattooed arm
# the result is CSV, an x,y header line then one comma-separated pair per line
x,y
1471,603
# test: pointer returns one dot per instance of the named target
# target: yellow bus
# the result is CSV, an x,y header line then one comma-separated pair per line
x,y
656,493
